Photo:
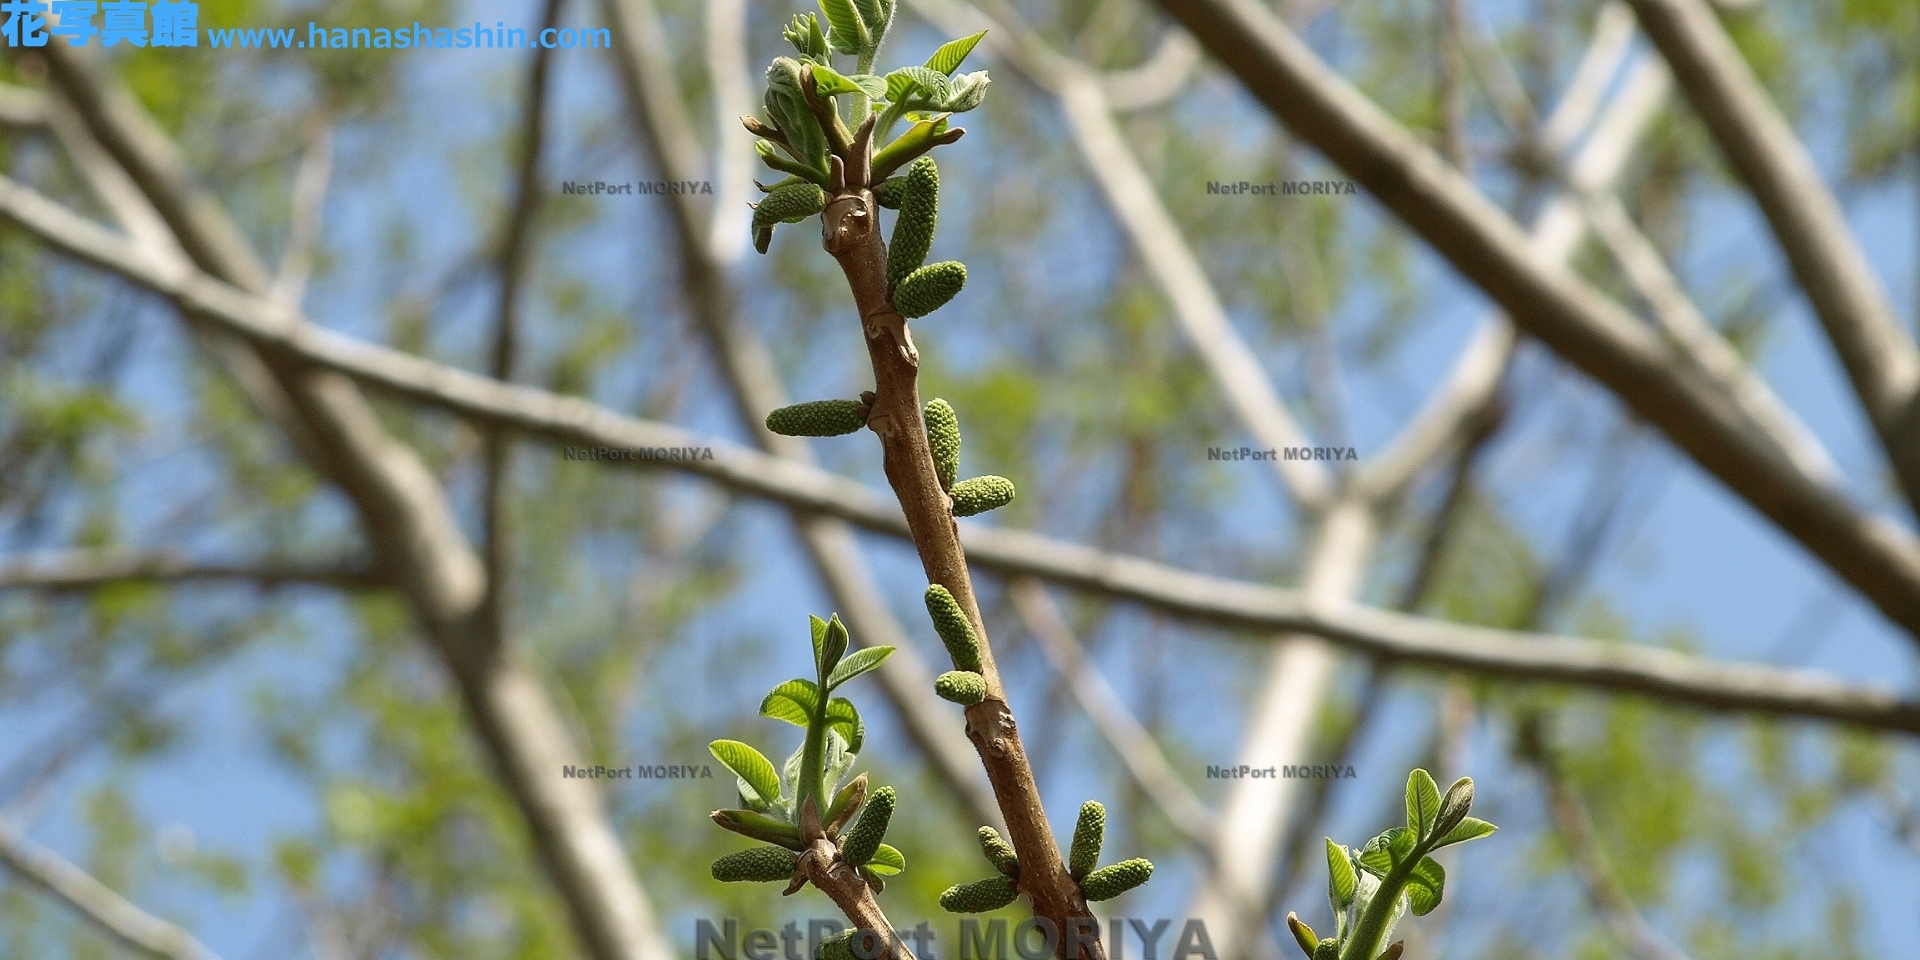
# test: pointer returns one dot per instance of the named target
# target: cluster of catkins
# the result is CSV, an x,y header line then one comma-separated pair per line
x,y
1102,883
833,418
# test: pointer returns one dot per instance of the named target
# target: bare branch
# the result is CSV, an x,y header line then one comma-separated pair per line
x,y
77,570
1876,350
573,421
95,902
1642,368
22,108
1130,741
309,195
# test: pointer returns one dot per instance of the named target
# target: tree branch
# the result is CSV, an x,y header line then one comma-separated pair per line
x,y
1647,373
22,108
1877,351
573,421
95,902
77,570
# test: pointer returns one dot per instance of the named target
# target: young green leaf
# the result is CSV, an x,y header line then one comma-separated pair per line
x,y
788,108
1089,832
753,769
917,86
951,54
848,34
1425,886
1303,935
845,804
1383,852
1342,883
1423,803
793,701
759,826
887,861
833,646
979,896
829,82
845,720
1454,806
1469,828
857,664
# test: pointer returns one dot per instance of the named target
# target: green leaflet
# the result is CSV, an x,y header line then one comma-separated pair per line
x,y
955,630
1425,886
943,437
963,687
755,771
789,203
861,662
1303,935
804,33
848,34
1384,852
1109,882
979,896
929,288
951,54
793,701
1088,834
759,826
980,494
845,720
829,82
1423,803
919,216
870,829
818,418
760,864
1342,883
999,852
887,861
1454,806
1470,828
787,106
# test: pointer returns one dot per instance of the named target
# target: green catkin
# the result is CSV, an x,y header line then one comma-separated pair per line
x,y
919,215
929,288
963,687
867,831
1088,833
787,203
760,864
1109,882
943,435
955,630
891,192
1327,950
818,418
837,947
999,852
979,896
980,494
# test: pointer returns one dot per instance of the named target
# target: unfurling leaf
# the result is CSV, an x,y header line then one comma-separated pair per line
x,y
1425,886
845,720
887,861
818,418
1423,803
760,864
955,630
794,701
963,687
980,494
1109,882
846,803
929,288
1383,852
870,829
943,437
848,34
1303,935
1089,832
759,826
753,768
1454,806
1342,883
999,852
833,646
804,33
788,108
857,664
979,896
951,54
828,82
919,216
1470,828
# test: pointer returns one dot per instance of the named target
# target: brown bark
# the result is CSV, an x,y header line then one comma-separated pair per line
x,y
851,233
